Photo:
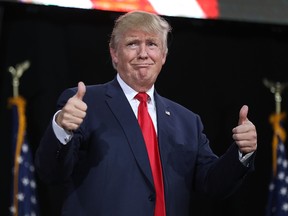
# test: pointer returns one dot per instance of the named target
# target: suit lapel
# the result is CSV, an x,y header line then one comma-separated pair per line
x,y
119,105
165,131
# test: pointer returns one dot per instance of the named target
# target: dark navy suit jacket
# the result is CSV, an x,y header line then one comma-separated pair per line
x,y
105,171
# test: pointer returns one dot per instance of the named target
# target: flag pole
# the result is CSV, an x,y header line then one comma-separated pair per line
x,y
276,118
17,103
276,88
17,72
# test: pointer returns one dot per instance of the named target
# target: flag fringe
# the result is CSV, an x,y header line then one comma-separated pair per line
x,y
20,104
279,133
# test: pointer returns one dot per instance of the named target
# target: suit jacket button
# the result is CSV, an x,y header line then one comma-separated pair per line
x,y
152,197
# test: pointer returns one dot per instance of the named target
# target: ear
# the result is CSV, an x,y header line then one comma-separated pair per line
x,y
113,55
164,58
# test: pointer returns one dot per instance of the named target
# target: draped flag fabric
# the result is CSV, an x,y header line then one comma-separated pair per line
x,y
24,196
278,188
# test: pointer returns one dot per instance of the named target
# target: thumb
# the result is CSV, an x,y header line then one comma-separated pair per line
x,y
81,90
243,114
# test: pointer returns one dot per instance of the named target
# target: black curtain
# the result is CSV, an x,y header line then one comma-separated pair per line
x,y
213,68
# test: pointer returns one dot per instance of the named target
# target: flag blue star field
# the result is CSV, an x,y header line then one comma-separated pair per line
x,y
24,190
278,188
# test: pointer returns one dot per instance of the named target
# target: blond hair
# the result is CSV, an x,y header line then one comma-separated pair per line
x,y
140,20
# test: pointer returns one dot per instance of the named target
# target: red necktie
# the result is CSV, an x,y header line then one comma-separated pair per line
x,y
150,138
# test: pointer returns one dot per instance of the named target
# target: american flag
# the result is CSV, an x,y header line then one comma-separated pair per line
x,y
24,190
278,188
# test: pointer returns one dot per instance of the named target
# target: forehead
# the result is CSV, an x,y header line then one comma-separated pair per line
x,y
139,34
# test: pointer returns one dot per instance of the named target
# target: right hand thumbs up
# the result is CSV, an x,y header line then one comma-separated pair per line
x,y
73,113
81,91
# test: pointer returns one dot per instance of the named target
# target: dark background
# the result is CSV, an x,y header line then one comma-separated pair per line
x,y
213,68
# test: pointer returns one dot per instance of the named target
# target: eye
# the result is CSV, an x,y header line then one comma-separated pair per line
x,y
132,44
152,44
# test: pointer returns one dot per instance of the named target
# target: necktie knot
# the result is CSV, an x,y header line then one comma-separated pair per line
x,y
142,96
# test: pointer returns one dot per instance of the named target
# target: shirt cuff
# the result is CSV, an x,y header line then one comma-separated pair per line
x,y
62,135
244,159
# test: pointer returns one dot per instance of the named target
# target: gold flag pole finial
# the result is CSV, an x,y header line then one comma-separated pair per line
x,y
275,119
17,72
276,88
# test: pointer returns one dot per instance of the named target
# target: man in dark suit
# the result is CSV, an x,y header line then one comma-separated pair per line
x,y
94,146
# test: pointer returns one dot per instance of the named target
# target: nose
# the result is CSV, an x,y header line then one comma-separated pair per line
x,y
142,52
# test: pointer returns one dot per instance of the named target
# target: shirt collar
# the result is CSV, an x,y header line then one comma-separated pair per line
x,y
130,93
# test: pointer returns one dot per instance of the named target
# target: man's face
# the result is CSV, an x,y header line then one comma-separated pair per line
x,y
139,57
